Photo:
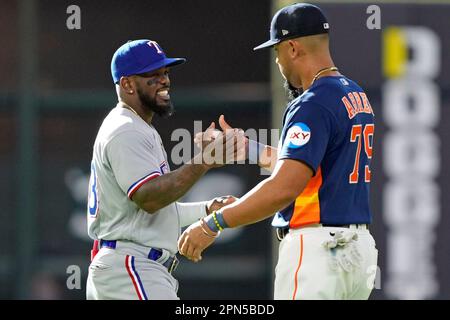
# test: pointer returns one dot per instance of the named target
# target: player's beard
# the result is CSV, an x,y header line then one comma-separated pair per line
x,y
291,91
151,104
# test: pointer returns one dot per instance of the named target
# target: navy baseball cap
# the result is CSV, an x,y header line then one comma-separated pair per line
x,y
140,56
297,20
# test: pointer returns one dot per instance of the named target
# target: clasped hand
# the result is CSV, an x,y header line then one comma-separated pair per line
x,y
198,236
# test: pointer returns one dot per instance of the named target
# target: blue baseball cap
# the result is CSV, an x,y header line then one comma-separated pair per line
x,y
140,56
297,20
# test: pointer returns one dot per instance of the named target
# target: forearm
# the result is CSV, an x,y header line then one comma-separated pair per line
x,y
286,183
268,158
190,212
264,155
162,191
258,204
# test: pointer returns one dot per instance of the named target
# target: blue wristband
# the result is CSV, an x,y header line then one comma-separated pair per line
x,y
219,216
215,224
211,224
254,150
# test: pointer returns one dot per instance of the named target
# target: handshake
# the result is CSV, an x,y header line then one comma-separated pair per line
x,y
218,148
198,236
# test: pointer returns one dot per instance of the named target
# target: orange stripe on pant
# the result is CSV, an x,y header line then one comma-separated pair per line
x,y
307,204
298,267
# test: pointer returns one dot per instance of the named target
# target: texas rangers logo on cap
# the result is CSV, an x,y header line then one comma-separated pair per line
x,y
298,135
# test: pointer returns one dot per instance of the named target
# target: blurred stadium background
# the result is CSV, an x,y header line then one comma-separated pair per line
x,y
55,89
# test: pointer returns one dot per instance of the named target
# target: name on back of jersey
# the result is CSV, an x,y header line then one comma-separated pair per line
x,y
355,103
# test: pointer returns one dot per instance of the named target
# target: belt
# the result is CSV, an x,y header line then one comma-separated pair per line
x,y
282,232
154,254
356,226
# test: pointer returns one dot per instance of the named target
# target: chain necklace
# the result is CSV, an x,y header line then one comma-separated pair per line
x,y
129,108
322,71
124,105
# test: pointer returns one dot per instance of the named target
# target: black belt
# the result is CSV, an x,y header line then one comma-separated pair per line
x,y
154,254
282,232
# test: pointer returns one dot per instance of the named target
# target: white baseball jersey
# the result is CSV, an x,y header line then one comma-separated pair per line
x,y
128,152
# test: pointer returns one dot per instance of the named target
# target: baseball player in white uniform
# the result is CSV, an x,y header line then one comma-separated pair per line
x,y
133,213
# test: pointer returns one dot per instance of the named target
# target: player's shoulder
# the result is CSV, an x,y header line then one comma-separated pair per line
x,y
308,102
121,122
327,92
328,88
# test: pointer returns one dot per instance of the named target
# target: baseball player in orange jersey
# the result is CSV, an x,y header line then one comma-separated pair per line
x,y
319,187
133,213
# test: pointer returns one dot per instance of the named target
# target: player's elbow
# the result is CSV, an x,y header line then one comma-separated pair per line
x,y
150,206
287,195
148,199
151,210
